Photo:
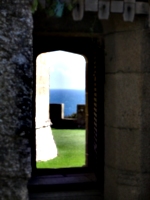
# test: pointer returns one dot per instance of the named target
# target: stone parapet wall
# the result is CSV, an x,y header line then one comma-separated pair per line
x,y
59,121
15,98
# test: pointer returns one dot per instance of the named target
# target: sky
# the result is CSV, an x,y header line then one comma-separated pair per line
x,y
67,70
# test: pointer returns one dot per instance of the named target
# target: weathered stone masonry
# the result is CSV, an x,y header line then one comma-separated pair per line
x,y
127,102
127,109
16,75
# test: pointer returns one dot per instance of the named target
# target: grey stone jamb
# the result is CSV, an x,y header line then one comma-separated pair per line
x,y
16,84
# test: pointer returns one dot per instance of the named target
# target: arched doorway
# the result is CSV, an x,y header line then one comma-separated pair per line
x,y
93,50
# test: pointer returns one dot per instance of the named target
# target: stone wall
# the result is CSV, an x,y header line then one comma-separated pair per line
x,y
59,121
127,109
127,102
15,98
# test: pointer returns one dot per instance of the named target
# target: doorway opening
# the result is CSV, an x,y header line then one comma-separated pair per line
x,y
93,50
60,110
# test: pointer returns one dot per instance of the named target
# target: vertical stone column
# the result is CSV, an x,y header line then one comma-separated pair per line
x,y
15,98
45,145
127,109
42,92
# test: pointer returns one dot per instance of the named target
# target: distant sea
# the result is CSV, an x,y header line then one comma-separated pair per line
x,y
69,97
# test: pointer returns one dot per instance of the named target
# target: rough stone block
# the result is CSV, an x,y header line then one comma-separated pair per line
x,y
123,100
145,101
145,151
145,191
13,188
122,148
131,192
110,184
126,184
119,57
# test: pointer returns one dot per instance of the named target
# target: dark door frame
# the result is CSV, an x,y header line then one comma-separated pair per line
x,y
93,50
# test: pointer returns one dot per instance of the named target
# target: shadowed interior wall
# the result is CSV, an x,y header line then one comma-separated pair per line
x,y
127,109
15,98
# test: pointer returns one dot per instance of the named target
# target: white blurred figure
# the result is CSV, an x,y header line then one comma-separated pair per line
x,y
45,145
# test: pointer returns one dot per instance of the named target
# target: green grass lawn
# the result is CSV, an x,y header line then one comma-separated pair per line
x,y
71,149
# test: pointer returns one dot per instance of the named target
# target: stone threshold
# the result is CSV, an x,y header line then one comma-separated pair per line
x,y
62,182
64,187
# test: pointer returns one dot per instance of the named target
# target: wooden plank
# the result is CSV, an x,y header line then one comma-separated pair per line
x,y
129,10
104,9
78,11
91,5
116,6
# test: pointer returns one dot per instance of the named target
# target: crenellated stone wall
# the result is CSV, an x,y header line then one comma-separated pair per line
x,y
59,121
16,84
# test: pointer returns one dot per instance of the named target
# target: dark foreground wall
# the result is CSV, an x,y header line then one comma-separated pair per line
x,y
15,98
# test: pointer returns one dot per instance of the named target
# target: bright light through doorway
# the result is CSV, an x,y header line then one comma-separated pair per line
x,y
67,76
67,70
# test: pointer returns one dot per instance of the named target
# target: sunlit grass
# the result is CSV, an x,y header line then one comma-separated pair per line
x,y
71,149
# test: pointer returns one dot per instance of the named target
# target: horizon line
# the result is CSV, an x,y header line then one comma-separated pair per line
x,y
66,89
